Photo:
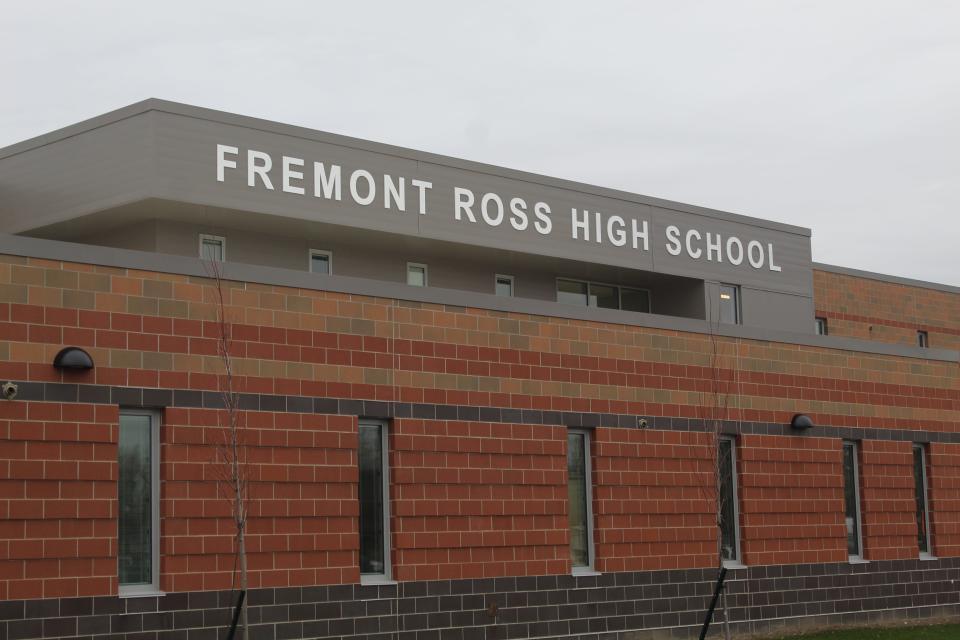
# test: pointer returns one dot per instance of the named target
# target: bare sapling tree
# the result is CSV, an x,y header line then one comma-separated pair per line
x,y
230,464
714,409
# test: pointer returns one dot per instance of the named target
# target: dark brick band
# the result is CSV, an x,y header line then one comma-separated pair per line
x,y
554,606
159,398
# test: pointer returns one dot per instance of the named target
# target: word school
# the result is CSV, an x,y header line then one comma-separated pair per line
x,y
489,208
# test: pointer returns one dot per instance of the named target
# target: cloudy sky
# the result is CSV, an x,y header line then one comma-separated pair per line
x,y
841,116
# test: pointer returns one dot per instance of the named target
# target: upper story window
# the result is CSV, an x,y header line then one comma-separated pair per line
x,y
416,274
321,261
729,304
213,247
820,326
604,296
923,339
503,286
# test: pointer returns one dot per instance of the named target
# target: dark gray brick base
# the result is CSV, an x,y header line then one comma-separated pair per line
x,y
622,606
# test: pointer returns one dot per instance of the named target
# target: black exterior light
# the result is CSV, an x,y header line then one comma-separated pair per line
x,y
73,358
801,422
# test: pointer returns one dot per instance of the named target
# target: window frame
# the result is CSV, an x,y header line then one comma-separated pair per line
x,y
923,339
387,575
820,326
152,589
513,284
223,245
855,558
618,287
921,447
736,562
737,308
590,567
320,252
426,278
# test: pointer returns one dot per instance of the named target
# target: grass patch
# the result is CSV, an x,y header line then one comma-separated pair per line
x,y
930,632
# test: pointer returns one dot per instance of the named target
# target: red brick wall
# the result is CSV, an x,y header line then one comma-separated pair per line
x,y
944,482
478,500
57,461
791,500
887,500
653,500
885,311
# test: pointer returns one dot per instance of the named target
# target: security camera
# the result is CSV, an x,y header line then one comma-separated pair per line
x,y
9,390
642,423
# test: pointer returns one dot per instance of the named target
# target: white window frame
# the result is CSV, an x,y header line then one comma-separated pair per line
x,y
387,575
126,591
820,325
426,279
513,284
923,339
223,245
590,567
852,557
736,562
320,252
917,446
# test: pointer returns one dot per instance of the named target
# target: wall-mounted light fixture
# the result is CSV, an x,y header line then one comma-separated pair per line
x,y
73,358
801,421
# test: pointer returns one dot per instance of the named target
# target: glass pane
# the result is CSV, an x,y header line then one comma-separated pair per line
x,y
571,292
504,287
728,510
604,296
920,495
728,304
577,482
135,493
850,499
416,276
320,263
371,500
635,300
212,250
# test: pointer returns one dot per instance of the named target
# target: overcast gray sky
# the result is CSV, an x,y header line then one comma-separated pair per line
x,y
841,116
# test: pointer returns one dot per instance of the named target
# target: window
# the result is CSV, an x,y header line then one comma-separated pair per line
x,y
729,304
374,502
923,339
920,495
503,286
321,261
729,510
213,247
851,499
821,326
138,501
581,508
603,296
416,274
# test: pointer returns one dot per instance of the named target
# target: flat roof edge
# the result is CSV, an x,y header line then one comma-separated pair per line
x,y
224,117
882,277
146,261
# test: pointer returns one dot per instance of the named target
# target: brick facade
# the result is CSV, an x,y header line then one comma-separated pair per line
x,y
478,403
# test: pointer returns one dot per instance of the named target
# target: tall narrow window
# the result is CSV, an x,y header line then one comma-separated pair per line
x,y
851,499
321,261
213,247
920,495
729,304
923,339
416,274
374,502
820,326
503,286
138,498
581,511
729,527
